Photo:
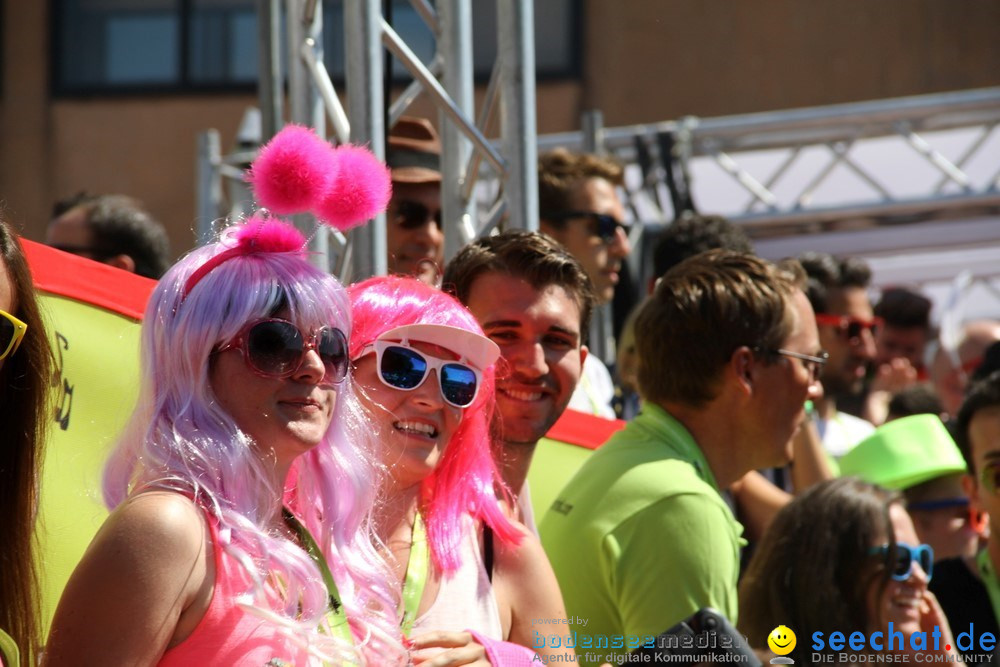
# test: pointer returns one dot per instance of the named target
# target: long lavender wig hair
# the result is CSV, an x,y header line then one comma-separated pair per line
x,y
466,478
180,439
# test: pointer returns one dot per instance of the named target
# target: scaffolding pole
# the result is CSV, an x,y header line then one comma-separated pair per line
x,y
305,105
366,109
515,22
269,89
455,49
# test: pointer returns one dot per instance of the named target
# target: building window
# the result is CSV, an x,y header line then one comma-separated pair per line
x,y
108,46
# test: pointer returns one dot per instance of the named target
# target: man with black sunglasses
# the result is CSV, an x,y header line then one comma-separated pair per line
x,y
838,292
579,207
414,235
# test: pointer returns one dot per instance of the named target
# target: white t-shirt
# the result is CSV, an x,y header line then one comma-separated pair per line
x,y
595,390
841,433
525,509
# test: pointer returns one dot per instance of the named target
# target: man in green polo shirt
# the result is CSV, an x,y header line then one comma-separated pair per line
x,y
640,538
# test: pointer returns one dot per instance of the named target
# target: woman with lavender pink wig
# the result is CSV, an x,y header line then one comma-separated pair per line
x,y
244,358
469,575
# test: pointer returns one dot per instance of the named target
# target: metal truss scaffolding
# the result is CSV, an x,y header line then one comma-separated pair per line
x,y
780,162
447,81
912,185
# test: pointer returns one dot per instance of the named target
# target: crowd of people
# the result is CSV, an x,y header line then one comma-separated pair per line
x,y
317,474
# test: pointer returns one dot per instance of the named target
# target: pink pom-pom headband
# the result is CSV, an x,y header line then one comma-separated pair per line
x,y
297,172
258,235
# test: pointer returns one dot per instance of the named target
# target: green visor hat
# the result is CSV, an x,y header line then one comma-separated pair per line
x,y
904,452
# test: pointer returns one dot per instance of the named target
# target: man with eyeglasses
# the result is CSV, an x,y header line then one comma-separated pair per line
x,y
641,537
838,292
414,235
579,207
974,594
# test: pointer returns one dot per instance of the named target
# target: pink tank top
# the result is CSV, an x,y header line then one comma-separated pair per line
x,y
227,634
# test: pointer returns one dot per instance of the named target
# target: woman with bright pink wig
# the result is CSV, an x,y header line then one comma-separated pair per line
x,y
210,554
469,575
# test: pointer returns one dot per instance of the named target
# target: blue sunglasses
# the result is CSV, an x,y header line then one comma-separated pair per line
x,y
901,556
403,367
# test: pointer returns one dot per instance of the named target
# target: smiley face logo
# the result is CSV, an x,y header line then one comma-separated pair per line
x,y
781,640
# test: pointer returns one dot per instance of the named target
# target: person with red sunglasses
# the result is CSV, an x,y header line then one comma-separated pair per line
x,y
239,490
837,290
951,368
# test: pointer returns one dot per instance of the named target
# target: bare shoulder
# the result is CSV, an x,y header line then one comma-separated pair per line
x,y
522,573
523,556
150,531
526,590
157,520
127,594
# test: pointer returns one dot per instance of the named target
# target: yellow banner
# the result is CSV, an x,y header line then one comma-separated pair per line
x,y
91,311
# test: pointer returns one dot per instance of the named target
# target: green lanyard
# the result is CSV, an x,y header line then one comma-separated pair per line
x,y
413,584
8,650
336,617
989,575
416,574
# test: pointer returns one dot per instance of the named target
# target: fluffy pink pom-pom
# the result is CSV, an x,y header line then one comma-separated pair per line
x,y
293,171
360,191
257,235
268,235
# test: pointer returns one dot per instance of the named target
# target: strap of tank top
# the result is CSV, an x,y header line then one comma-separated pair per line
x,y
488,551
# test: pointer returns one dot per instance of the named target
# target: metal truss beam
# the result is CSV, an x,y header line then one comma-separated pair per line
x,y
448,81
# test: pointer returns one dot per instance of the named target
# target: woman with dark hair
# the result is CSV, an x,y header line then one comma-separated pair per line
x,y
842,557
25,371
